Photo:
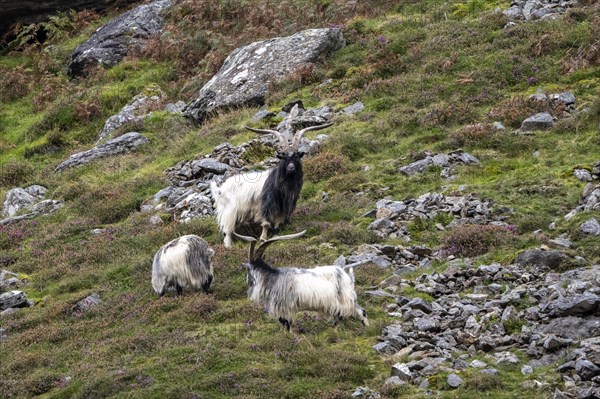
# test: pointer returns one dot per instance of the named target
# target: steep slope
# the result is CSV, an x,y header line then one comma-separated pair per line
x,y
433,78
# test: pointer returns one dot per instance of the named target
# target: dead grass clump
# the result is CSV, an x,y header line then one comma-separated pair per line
x,y
16,83
474,239
324,165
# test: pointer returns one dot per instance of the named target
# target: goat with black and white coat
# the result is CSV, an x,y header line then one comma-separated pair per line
x,y
185,262
266,197
286,291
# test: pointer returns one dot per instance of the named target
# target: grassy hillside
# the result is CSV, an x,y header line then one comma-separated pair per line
x,y
425,71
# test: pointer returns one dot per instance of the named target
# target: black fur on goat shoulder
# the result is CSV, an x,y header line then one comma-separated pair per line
x,y
282,188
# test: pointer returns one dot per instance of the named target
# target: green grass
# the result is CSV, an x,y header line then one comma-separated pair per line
x,y
423,70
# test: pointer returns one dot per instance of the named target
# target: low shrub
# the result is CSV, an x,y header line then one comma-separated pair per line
x,y
324,165
476,239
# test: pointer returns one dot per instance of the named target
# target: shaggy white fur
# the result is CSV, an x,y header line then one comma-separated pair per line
x,y
238,200
185,262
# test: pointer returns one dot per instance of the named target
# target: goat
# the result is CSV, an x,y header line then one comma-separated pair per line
x,y
185,262
285,291
264,197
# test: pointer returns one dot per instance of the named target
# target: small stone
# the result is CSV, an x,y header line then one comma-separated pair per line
x,y
352,109
505,357
2,334
262,114
394,381
87,303
586,369
478,364
591,227
526,369
402,371
420,304
454,380
583,174
426,324
561,242
498,126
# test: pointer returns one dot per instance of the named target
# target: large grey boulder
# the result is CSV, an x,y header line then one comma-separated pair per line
x,y
19,199
123,144
537,257
111,42
541,121
573,327
578,305
248,71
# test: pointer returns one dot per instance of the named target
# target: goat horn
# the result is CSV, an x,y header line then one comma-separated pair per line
x,y
252,242
283,142
262,247
298,136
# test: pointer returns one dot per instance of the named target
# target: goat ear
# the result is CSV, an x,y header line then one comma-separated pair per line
x,y
280,155
301,154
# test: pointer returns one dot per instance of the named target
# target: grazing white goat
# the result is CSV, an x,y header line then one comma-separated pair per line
x,y
185,262
285,291
266,197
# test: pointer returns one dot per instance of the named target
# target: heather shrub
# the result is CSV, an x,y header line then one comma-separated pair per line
x,y
346,233
324,165
513,111
476,239
107,204
479,134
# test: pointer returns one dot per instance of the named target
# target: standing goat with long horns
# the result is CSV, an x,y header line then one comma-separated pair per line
x,y
286,291
264,197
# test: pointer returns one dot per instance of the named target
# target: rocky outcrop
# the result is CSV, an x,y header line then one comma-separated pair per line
x,y
13,299
478,317
248,71
447,162
121,145
19,199
27,203
590,199
189,195
529,10
111,42
393,216
41,208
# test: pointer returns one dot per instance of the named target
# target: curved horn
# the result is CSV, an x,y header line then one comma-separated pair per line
x,y
283,142
262,247
298,136
252,242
